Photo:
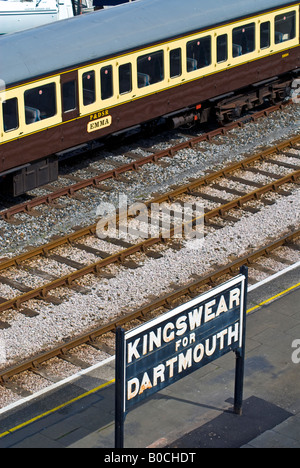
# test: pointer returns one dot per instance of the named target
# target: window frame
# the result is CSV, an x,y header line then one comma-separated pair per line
x,y
66,110
197,42
121,66
219,36
261,47
292,13
36,112
110,70
17,115
93,91
146,78
242,29
180,66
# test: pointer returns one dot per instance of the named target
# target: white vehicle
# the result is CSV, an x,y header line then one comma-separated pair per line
x,y
16,15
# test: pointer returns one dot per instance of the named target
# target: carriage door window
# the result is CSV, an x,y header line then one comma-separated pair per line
x,y
222,48
107,89
69,96
175,63
125,78
265,35
285,27
10,115
88,87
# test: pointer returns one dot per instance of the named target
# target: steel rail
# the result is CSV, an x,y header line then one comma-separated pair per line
x,y
34,362
207,179
95,268
133,166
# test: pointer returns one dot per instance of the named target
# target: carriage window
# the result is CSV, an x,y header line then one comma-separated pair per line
x,y
40,103
125,78
198,53
88,87
285,27
175,63
10,114
243,40
265,35
222,48
150,69
107,89
69,96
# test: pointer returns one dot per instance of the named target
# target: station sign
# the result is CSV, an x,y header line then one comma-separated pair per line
x,y
164,350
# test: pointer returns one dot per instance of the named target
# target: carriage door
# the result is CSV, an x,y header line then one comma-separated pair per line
x,y
69,96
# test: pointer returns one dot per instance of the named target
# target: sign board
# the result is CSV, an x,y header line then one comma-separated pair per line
x,y
166,349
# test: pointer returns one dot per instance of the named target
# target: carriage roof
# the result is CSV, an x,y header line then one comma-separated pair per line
x,y
72,42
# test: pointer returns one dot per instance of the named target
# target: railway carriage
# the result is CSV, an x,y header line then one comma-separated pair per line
x,y
68,85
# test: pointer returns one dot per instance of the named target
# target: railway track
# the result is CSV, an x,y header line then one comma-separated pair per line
x,y
98,338
243,187
225,206
136,161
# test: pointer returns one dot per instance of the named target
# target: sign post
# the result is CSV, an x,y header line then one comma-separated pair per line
x,y
240,355
164,350
120,390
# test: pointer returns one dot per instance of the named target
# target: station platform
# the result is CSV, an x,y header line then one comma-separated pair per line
x,y
195,412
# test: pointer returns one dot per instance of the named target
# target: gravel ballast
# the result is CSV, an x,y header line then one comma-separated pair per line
x,y
131,288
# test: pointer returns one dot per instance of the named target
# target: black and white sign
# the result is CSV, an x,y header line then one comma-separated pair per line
x,y
168,348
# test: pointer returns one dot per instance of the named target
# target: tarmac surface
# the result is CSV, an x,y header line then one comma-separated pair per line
x,y
193,413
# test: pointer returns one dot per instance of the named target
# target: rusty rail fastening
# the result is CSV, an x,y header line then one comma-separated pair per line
x,y
27,207
166,301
